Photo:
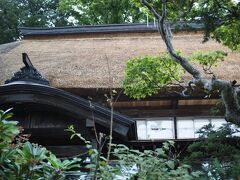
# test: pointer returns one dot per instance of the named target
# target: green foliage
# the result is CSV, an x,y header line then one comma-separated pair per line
x,y
8,21
175,8
31,161
133,164
98,166
208,59
157,164
221,20
23,160
101,11
8,130
216,154
40,13
31,13
145,76
229,35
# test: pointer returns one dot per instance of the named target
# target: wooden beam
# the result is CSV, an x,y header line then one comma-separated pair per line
x,y
173,103
197,102
139,104
183,112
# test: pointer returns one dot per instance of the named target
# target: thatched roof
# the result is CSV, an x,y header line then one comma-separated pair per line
x,y
81,61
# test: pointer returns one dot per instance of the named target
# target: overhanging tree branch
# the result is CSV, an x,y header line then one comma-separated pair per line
x,y
182,14
227,90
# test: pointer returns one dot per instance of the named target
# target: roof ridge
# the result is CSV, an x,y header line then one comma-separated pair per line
x,y
86,26
105,28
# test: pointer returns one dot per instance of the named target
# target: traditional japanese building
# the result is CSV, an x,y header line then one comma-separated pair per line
x,y
63,75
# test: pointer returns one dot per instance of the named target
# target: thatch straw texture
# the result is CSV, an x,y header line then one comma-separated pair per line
x,y
82,62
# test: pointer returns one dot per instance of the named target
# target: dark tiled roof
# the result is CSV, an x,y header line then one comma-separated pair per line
x,y
111,28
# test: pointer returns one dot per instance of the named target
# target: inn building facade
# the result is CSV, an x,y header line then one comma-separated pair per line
x,y
62,76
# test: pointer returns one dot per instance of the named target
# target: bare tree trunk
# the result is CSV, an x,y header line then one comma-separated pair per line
x,y
228,91
110,100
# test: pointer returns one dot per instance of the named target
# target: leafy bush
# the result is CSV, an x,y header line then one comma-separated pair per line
x,y
228,35
23,160
208,59
157,164
133,164
217,153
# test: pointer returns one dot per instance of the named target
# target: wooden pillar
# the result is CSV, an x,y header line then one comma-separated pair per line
x,y
175,127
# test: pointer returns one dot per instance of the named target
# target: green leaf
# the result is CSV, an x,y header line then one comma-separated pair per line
x,y
145,76
91,166
170,164
208,59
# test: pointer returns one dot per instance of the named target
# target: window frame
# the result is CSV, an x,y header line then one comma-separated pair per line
x,y
156,119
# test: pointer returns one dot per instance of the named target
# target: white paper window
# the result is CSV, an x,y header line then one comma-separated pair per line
x,y
185,129
198,124
163,128
218,122
159,128
142,130
188,127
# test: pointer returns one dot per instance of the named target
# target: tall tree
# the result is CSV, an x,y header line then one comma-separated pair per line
x,y
32,13
8,21
37,13
228,90
221,19
102,11
228,17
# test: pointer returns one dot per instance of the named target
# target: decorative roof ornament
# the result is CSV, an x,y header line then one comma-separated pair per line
x,y
28,73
